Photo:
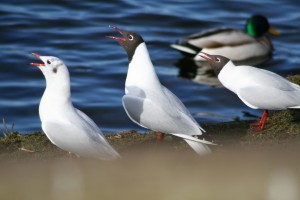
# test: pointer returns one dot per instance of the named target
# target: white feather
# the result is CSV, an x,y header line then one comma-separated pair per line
x,y
153,106
67,127
199,148
191,138
259,88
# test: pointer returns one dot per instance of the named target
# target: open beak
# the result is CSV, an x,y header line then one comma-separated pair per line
x,y
37,64
273,31
206,56
118,30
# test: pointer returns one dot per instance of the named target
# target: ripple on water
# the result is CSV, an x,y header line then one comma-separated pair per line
x,y
75,31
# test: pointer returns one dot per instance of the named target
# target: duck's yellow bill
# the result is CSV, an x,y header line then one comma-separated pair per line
x,y
273,31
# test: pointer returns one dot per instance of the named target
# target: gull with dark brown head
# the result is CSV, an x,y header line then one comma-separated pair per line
x,y
257,88
150,104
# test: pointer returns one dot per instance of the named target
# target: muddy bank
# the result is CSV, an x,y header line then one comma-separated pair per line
x,y
282,129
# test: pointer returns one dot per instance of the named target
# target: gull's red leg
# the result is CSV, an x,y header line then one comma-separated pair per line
x,y
160,136
264,119
260,125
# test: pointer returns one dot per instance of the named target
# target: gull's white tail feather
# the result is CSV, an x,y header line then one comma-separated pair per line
x,y
295,107
191,138
199,148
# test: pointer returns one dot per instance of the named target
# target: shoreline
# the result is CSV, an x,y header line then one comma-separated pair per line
x,y
282,130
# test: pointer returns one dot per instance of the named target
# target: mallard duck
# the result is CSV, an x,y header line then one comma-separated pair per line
x,y
250,46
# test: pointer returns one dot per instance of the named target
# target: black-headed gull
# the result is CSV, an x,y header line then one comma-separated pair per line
x,y
148,103
67,127
257,88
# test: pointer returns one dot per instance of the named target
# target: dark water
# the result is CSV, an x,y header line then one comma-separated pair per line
x,y
75,32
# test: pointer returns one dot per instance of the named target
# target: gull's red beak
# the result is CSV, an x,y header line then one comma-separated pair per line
x,y
37,64
118,30
206,56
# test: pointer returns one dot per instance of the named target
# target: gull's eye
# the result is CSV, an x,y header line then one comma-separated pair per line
x,y
48,61
218,59
130,37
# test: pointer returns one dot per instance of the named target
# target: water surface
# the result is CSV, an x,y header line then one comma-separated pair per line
x,y
75,32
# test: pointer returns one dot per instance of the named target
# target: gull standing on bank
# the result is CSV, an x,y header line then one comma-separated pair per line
x,y
67,127
151,105
257,88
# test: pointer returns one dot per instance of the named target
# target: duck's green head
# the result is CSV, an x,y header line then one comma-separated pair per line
x,y
258,25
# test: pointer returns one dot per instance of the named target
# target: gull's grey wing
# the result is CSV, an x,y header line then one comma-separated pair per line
x,y
96,134
133,107
148,114
75,140
264,97
92,125
176,103
264,78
